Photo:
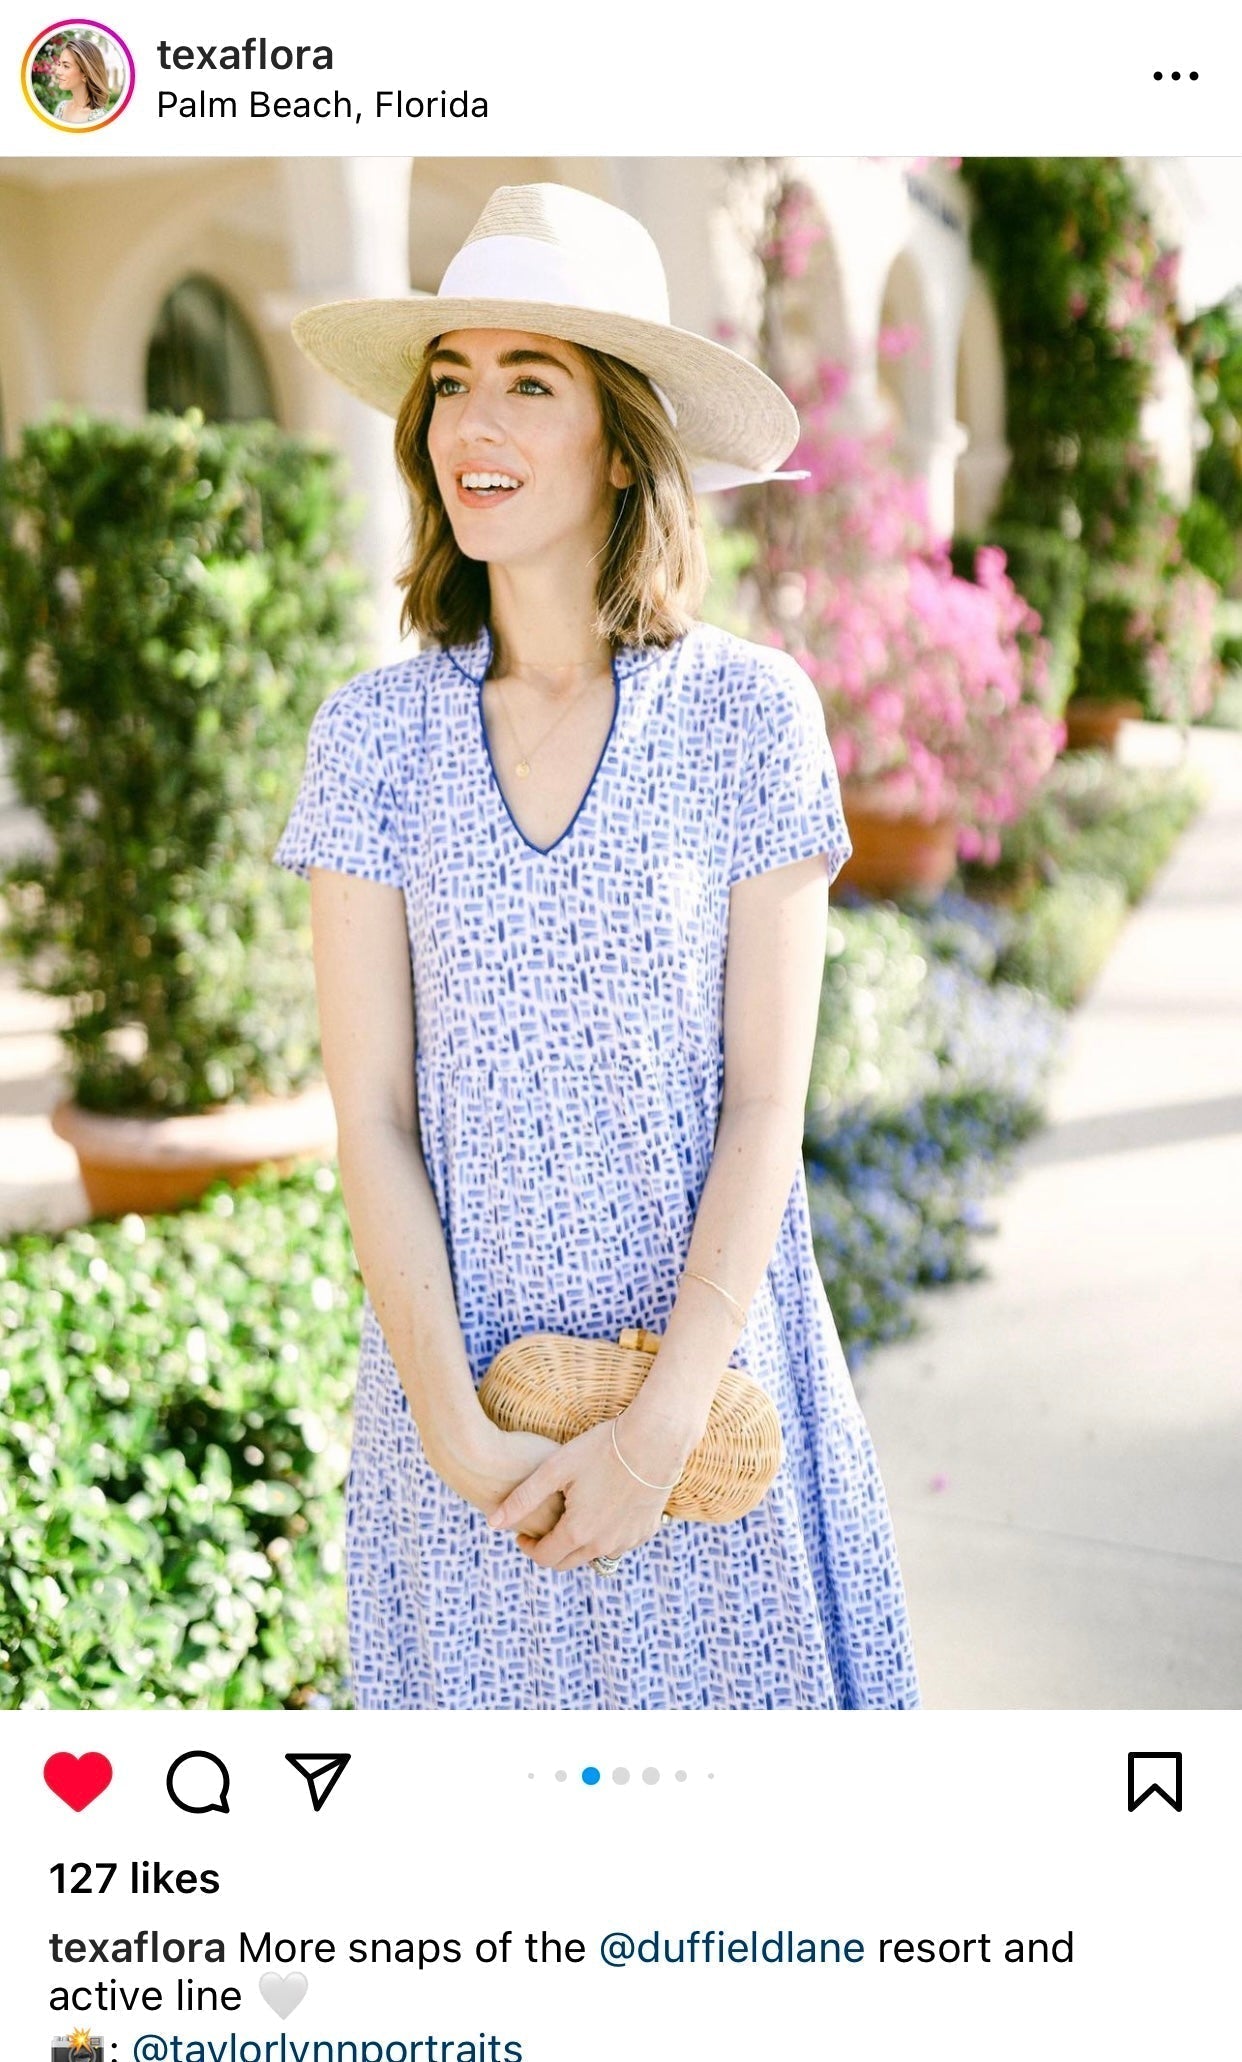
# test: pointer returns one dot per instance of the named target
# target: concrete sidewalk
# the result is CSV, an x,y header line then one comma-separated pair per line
x,y
1062,1445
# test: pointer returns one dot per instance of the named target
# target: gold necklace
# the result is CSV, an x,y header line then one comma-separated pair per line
x,y
521,765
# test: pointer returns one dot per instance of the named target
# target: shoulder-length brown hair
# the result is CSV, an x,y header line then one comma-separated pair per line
x,y
653,570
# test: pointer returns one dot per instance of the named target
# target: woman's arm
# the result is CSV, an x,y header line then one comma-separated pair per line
x,y
778,924
778,935
366,1022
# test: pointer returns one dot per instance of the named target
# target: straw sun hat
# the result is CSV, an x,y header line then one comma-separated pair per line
x,y
557,262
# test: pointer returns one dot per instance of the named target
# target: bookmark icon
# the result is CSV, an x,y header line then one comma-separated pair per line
x,y
1154,1775
322,1773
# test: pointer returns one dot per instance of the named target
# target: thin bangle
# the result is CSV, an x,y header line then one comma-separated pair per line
x,y
663,1487
731,1300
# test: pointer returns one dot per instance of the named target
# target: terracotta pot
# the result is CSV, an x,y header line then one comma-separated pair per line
x,y
893,854
1092,725
159,1163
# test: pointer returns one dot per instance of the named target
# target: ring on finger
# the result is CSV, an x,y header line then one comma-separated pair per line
x,y
606,1564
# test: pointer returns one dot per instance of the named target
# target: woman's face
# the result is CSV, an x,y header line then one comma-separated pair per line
x,y
68,71
516,443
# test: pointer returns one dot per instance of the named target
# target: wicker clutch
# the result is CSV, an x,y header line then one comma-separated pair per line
x,y
561,1386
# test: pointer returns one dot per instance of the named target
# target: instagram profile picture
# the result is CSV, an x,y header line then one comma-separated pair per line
x,y
78,76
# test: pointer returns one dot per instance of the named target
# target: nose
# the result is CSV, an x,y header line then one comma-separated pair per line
x,y
477,420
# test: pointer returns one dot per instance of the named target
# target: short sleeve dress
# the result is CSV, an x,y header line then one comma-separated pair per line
x,y
569,1065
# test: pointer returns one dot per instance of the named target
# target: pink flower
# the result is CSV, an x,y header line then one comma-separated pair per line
x,y
934,687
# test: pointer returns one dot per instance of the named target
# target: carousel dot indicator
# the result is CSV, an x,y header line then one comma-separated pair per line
x,y
681,1775
590,1776
562,1775
651,1775
620,1775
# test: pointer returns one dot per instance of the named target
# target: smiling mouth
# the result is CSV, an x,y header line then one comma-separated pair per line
x,y
491,486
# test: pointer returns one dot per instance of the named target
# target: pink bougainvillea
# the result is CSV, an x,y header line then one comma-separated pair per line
x,y
934,687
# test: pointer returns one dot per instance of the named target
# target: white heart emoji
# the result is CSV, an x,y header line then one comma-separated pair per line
x,y
283,1993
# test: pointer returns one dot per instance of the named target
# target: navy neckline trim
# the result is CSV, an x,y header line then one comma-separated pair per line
x,y
544,850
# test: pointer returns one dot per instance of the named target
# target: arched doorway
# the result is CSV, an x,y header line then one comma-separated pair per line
x,y
204,354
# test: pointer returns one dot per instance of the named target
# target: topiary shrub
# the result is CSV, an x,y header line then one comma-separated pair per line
x,y
175,600
1113,644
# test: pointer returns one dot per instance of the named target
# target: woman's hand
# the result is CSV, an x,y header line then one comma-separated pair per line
x,y
498,1464
606,1511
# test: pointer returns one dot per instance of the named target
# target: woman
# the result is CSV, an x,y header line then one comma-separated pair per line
x,y
81,72
562,821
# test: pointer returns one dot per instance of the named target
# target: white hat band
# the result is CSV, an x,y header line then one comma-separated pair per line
x,y
525,268
663,400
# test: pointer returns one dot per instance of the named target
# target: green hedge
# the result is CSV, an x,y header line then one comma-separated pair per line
x,y
175,601
173,1445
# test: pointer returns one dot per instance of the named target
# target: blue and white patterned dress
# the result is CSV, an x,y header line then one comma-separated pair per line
x,y
570,1059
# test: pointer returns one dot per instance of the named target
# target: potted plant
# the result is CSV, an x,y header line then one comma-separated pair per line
x,y
1113,650
936,689
174,602
1148,650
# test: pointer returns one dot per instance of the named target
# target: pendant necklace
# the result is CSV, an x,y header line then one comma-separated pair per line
x,y
521,766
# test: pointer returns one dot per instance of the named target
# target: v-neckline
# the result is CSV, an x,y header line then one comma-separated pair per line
x,y
474,661
544,850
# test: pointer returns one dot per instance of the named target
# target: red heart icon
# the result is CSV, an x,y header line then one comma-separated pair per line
x,y
77,1779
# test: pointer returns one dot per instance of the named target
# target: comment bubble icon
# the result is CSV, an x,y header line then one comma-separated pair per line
x,y
198,1782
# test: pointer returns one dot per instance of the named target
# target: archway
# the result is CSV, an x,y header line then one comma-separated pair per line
x,y
203,353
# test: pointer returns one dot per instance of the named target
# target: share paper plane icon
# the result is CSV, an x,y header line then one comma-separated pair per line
x,y
322,1772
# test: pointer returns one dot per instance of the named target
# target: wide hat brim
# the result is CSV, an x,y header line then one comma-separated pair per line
x,y
731,418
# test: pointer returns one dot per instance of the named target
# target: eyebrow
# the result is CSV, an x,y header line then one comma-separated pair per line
x,y
505,358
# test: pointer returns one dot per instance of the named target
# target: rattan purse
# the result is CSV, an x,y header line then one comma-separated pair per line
x,y
561,1386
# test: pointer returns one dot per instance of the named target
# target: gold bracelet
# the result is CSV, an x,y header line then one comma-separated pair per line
x,y
732,1300
663,1487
